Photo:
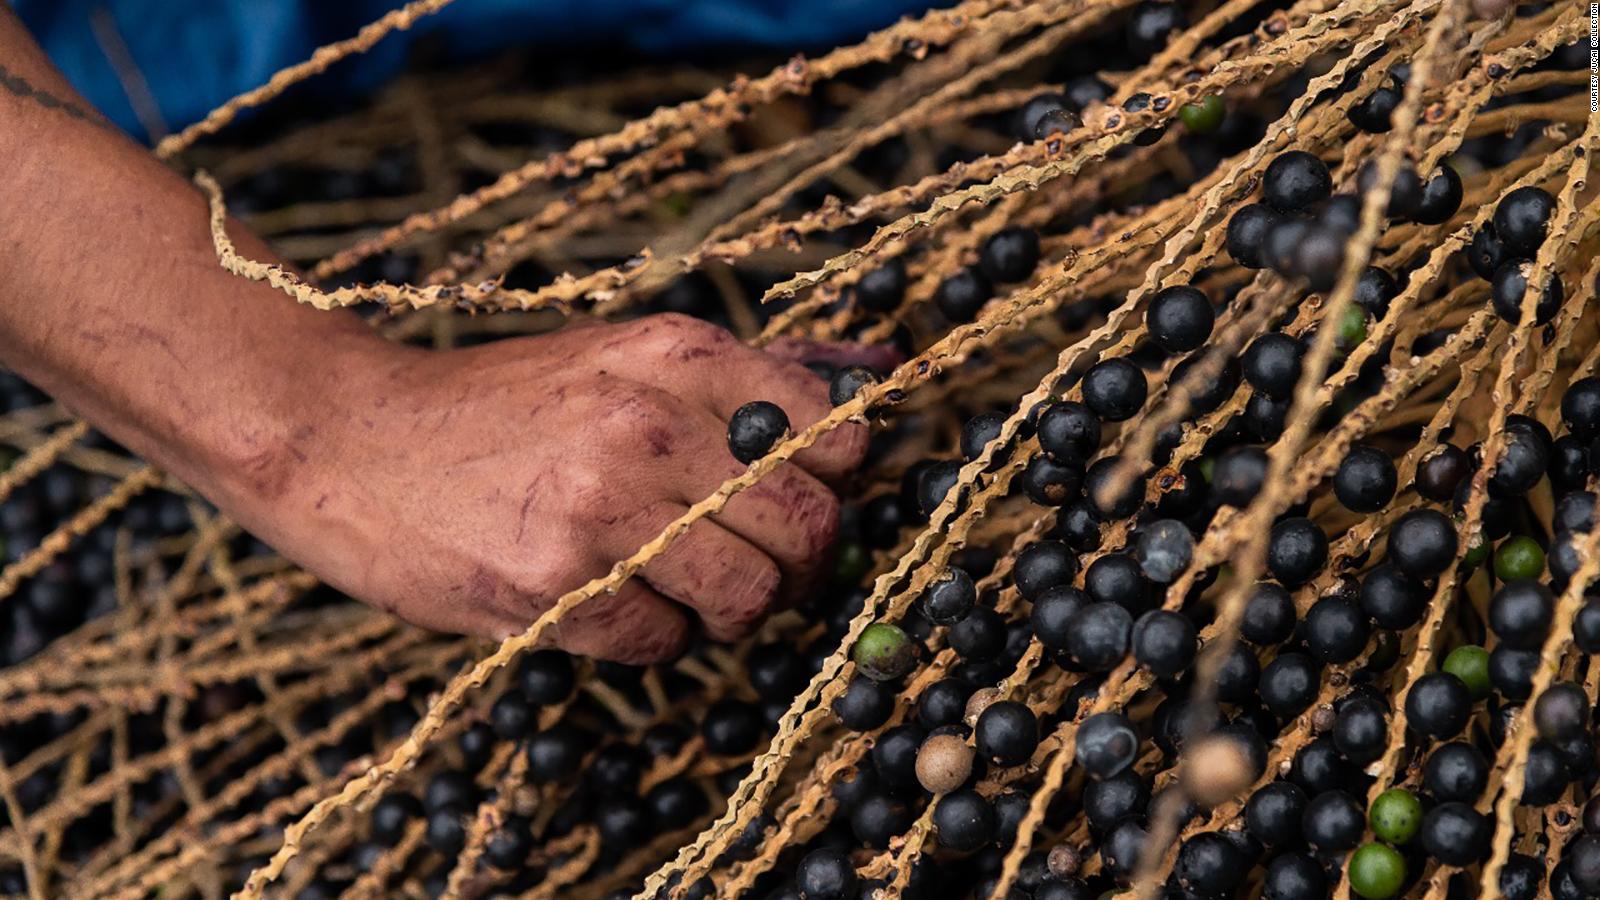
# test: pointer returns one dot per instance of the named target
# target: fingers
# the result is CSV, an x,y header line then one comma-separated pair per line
x,y
789,515
729,583
708,366
635,625
632,625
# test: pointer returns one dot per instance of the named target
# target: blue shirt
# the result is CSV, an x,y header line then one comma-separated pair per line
x,y
195,54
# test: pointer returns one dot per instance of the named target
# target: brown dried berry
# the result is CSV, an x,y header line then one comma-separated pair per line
x,y
944,763
978,702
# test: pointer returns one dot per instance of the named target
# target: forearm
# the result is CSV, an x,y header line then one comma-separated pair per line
x,y
112,299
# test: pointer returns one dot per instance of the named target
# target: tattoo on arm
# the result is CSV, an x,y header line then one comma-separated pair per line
x,y
16,85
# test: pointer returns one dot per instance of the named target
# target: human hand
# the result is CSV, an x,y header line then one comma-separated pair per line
x,y
467,490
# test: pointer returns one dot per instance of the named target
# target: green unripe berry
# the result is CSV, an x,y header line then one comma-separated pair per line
x,y
1204,116
1477,552
1377,872
1470,663
677,204
1518,558
884,652
1352,328
1396,815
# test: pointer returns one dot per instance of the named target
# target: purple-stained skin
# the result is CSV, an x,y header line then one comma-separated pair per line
x,y
622,428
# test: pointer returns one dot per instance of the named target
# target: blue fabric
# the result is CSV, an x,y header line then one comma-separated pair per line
x,y
195,54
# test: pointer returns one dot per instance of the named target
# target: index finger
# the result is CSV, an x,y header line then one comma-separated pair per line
x,y
803,397
709,367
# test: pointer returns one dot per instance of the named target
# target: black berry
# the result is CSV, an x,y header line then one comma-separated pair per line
x,y
1438,705
1455,834
1336,629
1068,431
1456,771
1007,733
1509,286
754,429
1179,319
1365,480
1441,197
1297,550
1289,683
1374,289
1238,475
1009,254
1422,543
960,296
825,874
1115,389
1247,234
1486,252
1441,471
882,289
1269,616
1392,598
1580,407
1053,613
1029,116
1273,814
1295,180
1522,219
1106,744
1520,614
1043,565
949,597
1150,26
1100,635
848,381
1375,111
1164,550
1164,642
1272,364
1333,822
963,821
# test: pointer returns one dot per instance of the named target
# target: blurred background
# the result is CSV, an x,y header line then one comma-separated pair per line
x,y
153,66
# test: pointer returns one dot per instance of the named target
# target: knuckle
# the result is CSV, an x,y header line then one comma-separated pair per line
x,y
682,337
547,576
672,321
585,487
629,413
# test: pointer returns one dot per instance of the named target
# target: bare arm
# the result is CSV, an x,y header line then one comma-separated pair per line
x,y
462,490
112,297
